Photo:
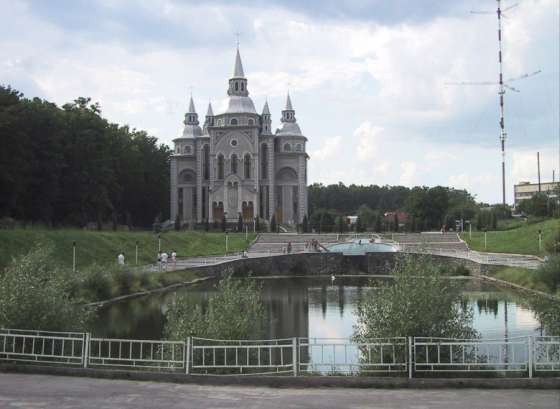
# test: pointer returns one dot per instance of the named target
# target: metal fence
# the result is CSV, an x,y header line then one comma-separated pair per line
x,y
524,356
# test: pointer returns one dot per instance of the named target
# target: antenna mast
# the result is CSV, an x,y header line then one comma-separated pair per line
x,y
502,86
501,92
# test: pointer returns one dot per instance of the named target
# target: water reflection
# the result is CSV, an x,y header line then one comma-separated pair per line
x,y
316,308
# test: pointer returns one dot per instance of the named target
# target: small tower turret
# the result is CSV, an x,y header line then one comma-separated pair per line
x,y
288,114
209,120
238,83
192,128
266,122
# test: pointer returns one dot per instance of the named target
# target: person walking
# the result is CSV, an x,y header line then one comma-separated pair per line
x,y
289,247
174,259
120,259
164,258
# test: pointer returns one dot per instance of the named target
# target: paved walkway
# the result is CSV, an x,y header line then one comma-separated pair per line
x,y
45,391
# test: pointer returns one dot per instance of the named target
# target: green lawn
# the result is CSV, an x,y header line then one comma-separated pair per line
x,y
521,276
103,247
520,240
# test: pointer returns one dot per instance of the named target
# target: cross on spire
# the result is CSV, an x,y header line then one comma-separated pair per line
x,y
237,35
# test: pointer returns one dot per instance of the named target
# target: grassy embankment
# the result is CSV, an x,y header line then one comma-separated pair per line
x,y
102,247
98,275
518,237
523,239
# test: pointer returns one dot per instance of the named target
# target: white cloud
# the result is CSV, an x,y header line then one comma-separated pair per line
x,y
369,141
329,149
408,173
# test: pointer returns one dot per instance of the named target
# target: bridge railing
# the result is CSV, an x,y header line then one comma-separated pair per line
x,y
293,356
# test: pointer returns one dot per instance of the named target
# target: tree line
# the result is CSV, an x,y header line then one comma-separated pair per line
x,y
426,208
70,166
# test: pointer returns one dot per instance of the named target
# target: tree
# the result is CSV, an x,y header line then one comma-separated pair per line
x,y
359,225
340,224
224,223
378,225
177,222
494,221
257,224
234,311
396,222
273,224
417,302
304,224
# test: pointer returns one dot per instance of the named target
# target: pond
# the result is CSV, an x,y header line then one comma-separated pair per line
x,y
305,307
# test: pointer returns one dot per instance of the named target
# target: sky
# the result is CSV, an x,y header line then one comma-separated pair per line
x,y
369,79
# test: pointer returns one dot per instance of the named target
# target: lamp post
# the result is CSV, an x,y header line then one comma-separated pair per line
x,y
159,242
540,240
485,241
136,252
470,228
74,256
226,243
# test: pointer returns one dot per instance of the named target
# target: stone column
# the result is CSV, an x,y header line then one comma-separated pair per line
x,y
173,184
271,174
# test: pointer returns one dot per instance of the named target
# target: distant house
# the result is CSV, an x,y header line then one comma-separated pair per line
x,y
389,217
351,220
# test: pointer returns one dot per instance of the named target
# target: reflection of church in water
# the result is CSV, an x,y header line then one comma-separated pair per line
x,y
234,165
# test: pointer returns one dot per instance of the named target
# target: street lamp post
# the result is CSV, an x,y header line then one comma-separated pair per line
x,y
159,242
136,252
485,241
226,243
74,256
540,240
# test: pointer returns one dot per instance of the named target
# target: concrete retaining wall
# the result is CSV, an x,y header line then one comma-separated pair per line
x,y
313,264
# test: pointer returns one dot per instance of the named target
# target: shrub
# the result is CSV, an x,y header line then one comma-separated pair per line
x,y
37,294
549,274
418,302
235,311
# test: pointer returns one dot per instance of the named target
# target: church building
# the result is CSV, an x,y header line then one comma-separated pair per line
x,y
235,165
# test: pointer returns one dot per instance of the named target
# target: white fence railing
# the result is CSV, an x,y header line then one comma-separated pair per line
x,y
309,356
338,355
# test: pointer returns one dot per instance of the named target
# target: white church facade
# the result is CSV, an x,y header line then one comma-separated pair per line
x,y
235,165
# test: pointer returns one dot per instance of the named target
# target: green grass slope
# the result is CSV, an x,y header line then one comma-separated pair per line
x,y
103,247
521,240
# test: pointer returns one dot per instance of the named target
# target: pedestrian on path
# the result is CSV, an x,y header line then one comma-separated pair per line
x,y
164,258
174,259
120,259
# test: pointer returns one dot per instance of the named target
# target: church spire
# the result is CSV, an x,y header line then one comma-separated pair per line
x,y
191,117
238,83
288,114
238,69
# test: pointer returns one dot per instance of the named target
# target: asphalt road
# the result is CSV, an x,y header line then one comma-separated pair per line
x,y
46,391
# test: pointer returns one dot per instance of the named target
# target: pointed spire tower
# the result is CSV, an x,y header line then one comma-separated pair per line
x,y
238,83
192,128
209,120
266,121
289,124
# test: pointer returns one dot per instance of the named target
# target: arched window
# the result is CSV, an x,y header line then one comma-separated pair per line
x,y
220,166
287,148
242,87
187,176
264,161
247,166
250,122
233,121
234,164
206,162
187,150
298,147
236,86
